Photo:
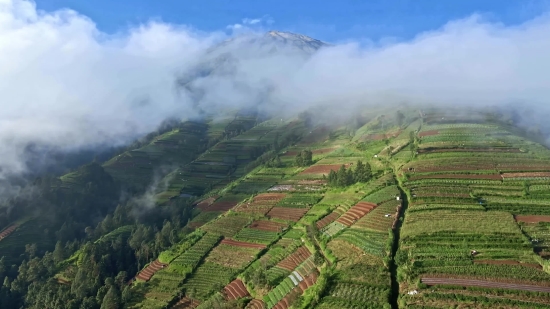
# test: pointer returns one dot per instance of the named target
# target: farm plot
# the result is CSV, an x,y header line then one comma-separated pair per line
x,y
270,226
381,218
328,219
355,213
300,200
189,259
150,270
227,226
333,228
7,231
370,242
383,195
257,236
287,213
532,218
204,204
186,303
207,279
457,176
203,218
235,290
295,259
484,283
261,203
323,169
232,255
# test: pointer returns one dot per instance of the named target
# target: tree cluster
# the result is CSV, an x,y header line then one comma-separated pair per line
x,y
304,158
347,176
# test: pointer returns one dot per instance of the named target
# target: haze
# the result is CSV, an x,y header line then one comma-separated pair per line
x,y
65,84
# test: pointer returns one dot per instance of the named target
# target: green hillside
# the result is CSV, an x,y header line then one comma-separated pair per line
x,y
413,208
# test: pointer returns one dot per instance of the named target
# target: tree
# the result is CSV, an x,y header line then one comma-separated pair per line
x,y
304,158
111,299
399,117
59,252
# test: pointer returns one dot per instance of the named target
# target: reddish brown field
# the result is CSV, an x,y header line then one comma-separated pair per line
x,y
507,262
327,220
486,284
292,261
186,303
264,225
532,174
256,304
532,218
261,203
222,206
287,213
204,204
458,176
428,133
150,270
5,233
235,290
242,244
355,213
323,169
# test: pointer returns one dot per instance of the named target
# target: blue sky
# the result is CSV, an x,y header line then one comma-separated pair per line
x,y
327,20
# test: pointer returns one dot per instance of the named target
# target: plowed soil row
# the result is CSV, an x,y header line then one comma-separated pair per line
x,y
264,225
458,176
256,304
355,213
186,303
532,218
261,203
428,133
150,270
506,262
486,284
287,213
327,220
532,174
222,206
286,302
202,205
323,168
235,290
5,233
242,244
292,261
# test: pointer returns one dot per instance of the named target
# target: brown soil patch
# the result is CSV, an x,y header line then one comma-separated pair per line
x,y
235,290
204,204
5,233
428,133
323,169
356,212
264,225
458,176
222,206
532,218
261,203
287,213
526,175
186,303
150,270
242,244
292,261
507,262
327,220
256,304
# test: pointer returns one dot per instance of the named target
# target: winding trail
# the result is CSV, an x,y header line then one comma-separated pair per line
x,y
394,295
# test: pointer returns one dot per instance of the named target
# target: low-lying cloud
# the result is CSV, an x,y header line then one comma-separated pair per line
x,y
65,84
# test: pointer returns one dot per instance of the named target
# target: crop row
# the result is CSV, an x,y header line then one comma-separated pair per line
x,y
257,236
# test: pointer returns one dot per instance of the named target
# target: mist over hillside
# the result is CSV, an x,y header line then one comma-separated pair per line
x,y
68,86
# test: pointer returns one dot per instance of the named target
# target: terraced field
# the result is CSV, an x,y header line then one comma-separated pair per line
x,y
455,213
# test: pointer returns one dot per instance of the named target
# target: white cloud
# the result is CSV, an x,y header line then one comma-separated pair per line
x,y
63,83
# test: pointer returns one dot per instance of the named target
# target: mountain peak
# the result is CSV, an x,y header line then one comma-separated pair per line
x,y
303,41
